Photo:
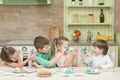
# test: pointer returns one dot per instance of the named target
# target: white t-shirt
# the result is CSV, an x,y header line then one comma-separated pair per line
x,y
98,60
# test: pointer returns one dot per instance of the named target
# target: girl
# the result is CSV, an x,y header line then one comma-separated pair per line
x,y
99,58
69,57
11,57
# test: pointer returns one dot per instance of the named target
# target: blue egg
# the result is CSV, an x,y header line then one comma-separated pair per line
x,y
67,48
88,70
83,48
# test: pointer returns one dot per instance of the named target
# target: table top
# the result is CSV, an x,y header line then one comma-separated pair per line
x,y
79,73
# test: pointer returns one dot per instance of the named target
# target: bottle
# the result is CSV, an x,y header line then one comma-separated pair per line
x,y
100,2
80,2
90,2
73,2
101,16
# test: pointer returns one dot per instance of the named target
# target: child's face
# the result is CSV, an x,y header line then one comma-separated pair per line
x,y
14,57
64,43
45,49
97,50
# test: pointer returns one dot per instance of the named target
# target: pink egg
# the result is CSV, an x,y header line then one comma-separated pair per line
x,y
23,69
33,55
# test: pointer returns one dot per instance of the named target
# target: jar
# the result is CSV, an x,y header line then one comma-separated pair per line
x,y
90,2
75,18
90,18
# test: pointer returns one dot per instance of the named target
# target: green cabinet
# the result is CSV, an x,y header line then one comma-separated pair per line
x,y
112,52
76,17
26,2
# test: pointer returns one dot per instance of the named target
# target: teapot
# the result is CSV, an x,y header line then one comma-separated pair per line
x,y
89,36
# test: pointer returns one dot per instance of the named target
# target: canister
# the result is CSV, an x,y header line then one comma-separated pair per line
x,y
90,18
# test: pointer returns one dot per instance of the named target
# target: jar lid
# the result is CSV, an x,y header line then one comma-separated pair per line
x,y
90,14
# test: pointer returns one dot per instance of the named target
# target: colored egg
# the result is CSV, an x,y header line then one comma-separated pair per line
x,y
17,69
96,70
67,48
83,48
23,69
88,70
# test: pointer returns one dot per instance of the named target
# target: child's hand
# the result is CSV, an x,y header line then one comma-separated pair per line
x,y
75,52
36,65
32,57
85,51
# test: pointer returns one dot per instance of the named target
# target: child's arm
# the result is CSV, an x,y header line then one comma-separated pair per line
x,y
75,53
47,63
69,60
109,64
20,63
36,65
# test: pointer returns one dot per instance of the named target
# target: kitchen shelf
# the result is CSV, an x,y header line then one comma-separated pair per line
x,y
87,24
85,6
76,17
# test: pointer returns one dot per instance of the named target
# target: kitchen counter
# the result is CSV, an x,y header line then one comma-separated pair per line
x,y
79,73
3,43
20,43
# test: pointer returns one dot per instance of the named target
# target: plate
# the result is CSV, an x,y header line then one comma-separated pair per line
x,y
44,75
93,72
19,72
7,74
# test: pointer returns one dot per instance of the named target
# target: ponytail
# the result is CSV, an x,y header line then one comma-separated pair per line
x,y
3,55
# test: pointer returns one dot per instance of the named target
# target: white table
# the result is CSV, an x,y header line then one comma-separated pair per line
x,y
57,74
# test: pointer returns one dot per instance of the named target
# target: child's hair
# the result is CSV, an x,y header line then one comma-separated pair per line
x,y
40,42
6,52
56,42
101,44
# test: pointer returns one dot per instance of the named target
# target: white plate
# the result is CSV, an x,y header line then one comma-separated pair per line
x,y
7,74
93,72
44,75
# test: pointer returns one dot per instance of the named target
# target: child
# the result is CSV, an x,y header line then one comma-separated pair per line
x,y
11,57
69,58
99,58
44,58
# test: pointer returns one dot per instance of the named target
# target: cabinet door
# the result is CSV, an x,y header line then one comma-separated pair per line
x,y
25,2
113,53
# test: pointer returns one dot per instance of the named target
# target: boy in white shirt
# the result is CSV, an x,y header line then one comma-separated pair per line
x,y
99,59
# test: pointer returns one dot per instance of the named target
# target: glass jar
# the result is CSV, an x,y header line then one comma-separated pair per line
x,y
90,18
100,2
75,18
90,2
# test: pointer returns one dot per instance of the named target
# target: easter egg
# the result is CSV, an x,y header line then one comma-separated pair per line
x,y
23,69
83,48
96,70
67,70
67,48
17,69
88,70
33,55
92,70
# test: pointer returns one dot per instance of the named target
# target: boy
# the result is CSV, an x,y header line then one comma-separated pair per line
x,y
43,53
